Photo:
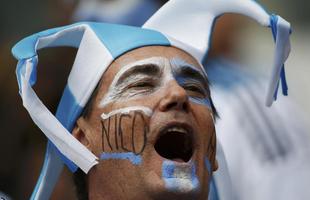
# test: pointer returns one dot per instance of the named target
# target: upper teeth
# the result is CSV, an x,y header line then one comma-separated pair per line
x,y
177,129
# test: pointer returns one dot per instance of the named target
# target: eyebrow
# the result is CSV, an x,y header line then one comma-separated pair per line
x,y
188,70
150,69
180,67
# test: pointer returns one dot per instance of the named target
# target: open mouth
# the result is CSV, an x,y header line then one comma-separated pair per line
x,y
175,143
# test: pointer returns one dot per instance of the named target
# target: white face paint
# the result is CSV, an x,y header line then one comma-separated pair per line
x,y
147,111
180,177
125,79
146,76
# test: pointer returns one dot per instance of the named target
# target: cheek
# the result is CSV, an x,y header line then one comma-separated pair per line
x,y
204,118
125,133
206,129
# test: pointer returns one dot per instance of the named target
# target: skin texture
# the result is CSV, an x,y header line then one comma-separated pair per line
x,y
170,103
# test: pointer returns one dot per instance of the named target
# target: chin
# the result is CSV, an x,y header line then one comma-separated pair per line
x,y
176,181
173,166
180,178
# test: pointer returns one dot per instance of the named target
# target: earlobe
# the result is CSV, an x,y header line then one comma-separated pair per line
x,y
81,132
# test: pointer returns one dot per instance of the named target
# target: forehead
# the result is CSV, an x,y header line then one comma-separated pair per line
x,y
152,51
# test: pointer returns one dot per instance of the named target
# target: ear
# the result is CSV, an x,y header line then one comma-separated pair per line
x,y
82,132
215,165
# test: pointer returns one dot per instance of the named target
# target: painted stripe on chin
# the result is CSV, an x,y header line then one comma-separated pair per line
x,y
179,178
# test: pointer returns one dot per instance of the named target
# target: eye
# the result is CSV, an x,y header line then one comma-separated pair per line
x,y
141,85
195,90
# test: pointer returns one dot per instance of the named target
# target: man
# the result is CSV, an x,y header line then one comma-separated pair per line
x,y
148,130
153,127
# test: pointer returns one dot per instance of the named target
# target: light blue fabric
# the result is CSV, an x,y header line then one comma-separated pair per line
x,y
111,35
115,36
274,29
68,109
213,193
27,47
21,70
67,113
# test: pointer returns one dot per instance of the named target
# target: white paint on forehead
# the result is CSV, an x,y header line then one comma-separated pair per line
x,y
146,110
161,62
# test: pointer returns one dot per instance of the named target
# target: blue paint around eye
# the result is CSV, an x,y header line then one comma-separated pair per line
x,y
179,178
202,101
134,159
208,165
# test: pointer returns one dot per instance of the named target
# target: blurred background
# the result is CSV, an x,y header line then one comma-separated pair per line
x,y
22,145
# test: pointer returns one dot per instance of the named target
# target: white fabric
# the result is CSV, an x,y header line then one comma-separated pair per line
x,y
88,67
267,149
284,177
282,51
191,21
92,59
52,128
68,37
188,25
221,176
48,123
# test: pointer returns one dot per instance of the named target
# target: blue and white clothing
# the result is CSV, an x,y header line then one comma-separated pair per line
x,y
267,149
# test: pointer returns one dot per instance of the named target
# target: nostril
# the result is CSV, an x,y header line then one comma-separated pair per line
x,y
177,105
171,105
185,106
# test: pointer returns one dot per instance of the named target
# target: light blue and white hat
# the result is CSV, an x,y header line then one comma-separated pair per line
x,y
180,23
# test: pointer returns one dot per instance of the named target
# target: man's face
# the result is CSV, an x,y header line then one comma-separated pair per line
x,y
151,124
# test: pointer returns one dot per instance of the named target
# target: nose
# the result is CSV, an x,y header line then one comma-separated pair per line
x,y
175,98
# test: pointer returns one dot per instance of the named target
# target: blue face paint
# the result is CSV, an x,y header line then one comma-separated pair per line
x,y
179,177
201,101
134,159
186,82
192,80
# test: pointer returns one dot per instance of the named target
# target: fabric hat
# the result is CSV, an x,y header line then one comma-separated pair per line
x,y
180,23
